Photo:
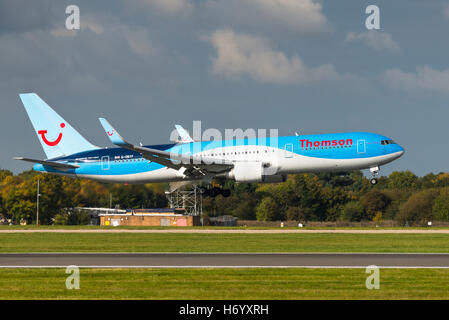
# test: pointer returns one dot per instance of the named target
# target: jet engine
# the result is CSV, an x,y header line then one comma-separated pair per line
x,y
253,172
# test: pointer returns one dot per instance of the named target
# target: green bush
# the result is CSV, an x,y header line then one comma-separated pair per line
x,y
418,208
81,217
352,211
268,210
60,219
373,202
398,197
440,207
245,210
295,213
402,180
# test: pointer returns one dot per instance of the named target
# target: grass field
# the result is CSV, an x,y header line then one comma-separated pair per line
x,y
294,283
194,242
253,283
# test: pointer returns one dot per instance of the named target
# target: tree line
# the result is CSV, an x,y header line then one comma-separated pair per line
x,y
18,195
343,196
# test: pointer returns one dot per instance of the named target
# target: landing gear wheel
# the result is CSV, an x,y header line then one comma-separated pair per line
x,y
374,173
225,193
203,191
214,192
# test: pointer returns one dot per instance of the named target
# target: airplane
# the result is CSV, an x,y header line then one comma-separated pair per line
x,y
242,160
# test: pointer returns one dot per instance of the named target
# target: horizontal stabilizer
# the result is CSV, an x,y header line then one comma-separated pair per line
x,y
54,164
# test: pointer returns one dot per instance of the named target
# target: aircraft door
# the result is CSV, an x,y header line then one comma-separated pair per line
x,y
288,153
105,163
361,147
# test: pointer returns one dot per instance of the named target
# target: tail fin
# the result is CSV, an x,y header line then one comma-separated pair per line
x,y
56,135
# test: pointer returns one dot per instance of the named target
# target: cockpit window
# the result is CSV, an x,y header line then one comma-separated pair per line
x,y
385,142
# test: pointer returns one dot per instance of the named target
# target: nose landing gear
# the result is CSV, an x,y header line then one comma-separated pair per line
x,y
374,174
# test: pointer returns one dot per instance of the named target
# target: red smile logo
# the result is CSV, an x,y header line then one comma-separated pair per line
x,y
111,133
51,143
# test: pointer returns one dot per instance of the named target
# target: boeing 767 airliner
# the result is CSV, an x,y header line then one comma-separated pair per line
x,y
243,160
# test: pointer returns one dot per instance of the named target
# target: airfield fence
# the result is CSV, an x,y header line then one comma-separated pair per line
x,y
330,224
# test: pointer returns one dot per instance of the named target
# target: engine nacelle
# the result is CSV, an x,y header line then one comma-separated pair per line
x,y
275,178
247,172
253,172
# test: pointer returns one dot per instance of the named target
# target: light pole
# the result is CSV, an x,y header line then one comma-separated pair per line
x,y
37,203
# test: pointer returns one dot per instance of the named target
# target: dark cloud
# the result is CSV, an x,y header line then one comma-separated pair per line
x,y
26,15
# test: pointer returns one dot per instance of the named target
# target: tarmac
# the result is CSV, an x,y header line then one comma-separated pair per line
x,y
224,260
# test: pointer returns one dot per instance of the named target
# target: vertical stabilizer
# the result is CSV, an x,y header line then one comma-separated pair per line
x,y
57,137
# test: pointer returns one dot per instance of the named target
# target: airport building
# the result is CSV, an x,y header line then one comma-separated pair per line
x,y
185,210
150,217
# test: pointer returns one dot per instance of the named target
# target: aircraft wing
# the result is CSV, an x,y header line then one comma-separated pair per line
x,y
54,164
191,165
185,137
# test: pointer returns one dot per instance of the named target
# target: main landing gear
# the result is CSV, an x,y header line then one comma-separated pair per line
x,y
374,174
215,191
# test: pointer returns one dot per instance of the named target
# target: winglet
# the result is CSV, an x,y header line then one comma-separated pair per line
x,y
185,137
113,135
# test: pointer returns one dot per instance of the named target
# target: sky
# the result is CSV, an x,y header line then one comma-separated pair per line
x,y
295,65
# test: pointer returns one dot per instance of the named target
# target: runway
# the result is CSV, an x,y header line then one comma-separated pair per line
x,y
224,260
